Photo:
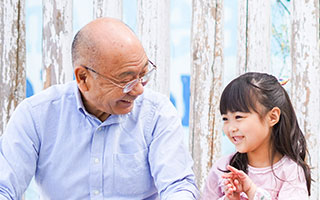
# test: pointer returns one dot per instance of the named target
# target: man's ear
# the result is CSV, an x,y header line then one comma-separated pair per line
x,y
274,116
81,75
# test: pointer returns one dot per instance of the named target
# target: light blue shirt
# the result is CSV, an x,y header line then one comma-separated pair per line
x,y
73,155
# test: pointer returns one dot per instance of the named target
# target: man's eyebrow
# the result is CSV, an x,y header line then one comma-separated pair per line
x,y
131,73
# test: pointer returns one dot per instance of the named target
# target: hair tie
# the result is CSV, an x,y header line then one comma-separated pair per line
x,y
283,81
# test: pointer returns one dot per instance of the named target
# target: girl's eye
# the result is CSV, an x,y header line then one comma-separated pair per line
x,y
224,119
238,117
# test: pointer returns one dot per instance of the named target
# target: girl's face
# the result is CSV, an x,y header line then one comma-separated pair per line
x,y
248,132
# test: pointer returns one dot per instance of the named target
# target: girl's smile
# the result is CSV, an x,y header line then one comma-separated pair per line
x,y
237,139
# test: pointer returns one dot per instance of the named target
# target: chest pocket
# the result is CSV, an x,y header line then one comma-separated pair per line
x,y
131,173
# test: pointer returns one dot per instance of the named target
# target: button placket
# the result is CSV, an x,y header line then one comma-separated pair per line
x,y
96,174
96,192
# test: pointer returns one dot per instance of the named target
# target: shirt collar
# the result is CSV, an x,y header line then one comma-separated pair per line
x,y
77,94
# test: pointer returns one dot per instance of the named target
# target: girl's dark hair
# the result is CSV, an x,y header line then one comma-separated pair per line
x,y
242,95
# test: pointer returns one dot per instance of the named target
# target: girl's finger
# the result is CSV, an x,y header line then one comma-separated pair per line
x,y
231,187
226,182
237,172
229,191
237,184
232,169
227,175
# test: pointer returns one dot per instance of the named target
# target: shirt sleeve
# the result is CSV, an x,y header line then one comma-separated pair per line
x,y
18,153
213,188
170,161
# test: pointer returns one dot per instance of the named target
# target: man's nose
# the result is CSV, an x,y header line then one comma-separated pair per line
x,y
137,89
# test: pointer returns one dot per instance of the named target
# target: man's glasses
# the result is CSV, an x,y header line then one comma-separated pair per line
x,y
130,85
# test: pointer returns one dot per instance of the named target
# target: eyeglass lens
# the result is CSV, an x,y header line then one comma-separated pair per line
x,y
144,80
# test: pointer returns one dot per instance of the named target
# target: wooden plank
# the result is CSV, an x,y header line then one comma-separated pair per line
x,y
242,37
254,36
305,79
107,8
56,44
153,31
206,85
13,58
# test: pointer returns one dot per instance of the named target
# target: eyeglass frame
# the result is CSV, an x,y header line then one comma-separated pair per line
x,y
132,84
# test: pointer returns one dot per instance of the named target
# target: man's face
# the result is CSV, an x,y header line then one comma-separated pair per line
x,y
109,98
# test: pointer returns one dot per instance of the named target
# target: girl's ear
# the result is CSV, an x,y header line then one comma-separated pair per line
x,y
274,116
81,77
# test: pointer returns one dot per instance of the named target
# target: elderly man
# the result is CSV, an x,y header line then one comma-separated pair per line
x,y
103,136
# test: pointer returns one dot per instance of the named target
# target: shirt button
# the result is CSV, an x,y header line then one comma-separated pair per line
x,y
99,129
96,192
96,160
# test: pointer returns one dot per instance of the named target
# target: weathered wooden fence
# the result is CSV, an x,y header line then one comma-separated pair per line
x,y
207,67
253,55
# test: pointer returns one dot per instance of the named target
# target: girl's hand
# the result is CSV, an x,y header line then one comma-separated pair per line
x,y
232,190
240,181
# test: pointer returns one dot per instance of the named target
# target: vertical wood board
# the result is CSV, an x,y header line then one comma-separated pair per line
x,y
206,85
305,92
107,8
56,45
153,31
13,58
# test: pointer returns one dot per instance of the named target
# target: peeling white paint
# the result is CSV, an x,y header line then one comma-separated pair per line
x,y
206,85
305,79
254,36
107,8
13,58
153,31
57,38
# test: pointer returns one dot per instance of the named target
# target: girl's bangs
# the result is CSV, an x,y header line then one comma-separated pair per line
x,y
237,97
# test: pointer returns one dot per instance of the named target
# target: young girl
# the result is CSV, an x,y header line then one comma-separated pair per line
x,y
271,149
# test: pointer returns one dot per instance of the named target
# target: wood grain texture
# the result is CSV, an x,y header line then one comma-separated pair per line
x,y
13,58
254,36
107,8
56,44
153,30
305,79
206,85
